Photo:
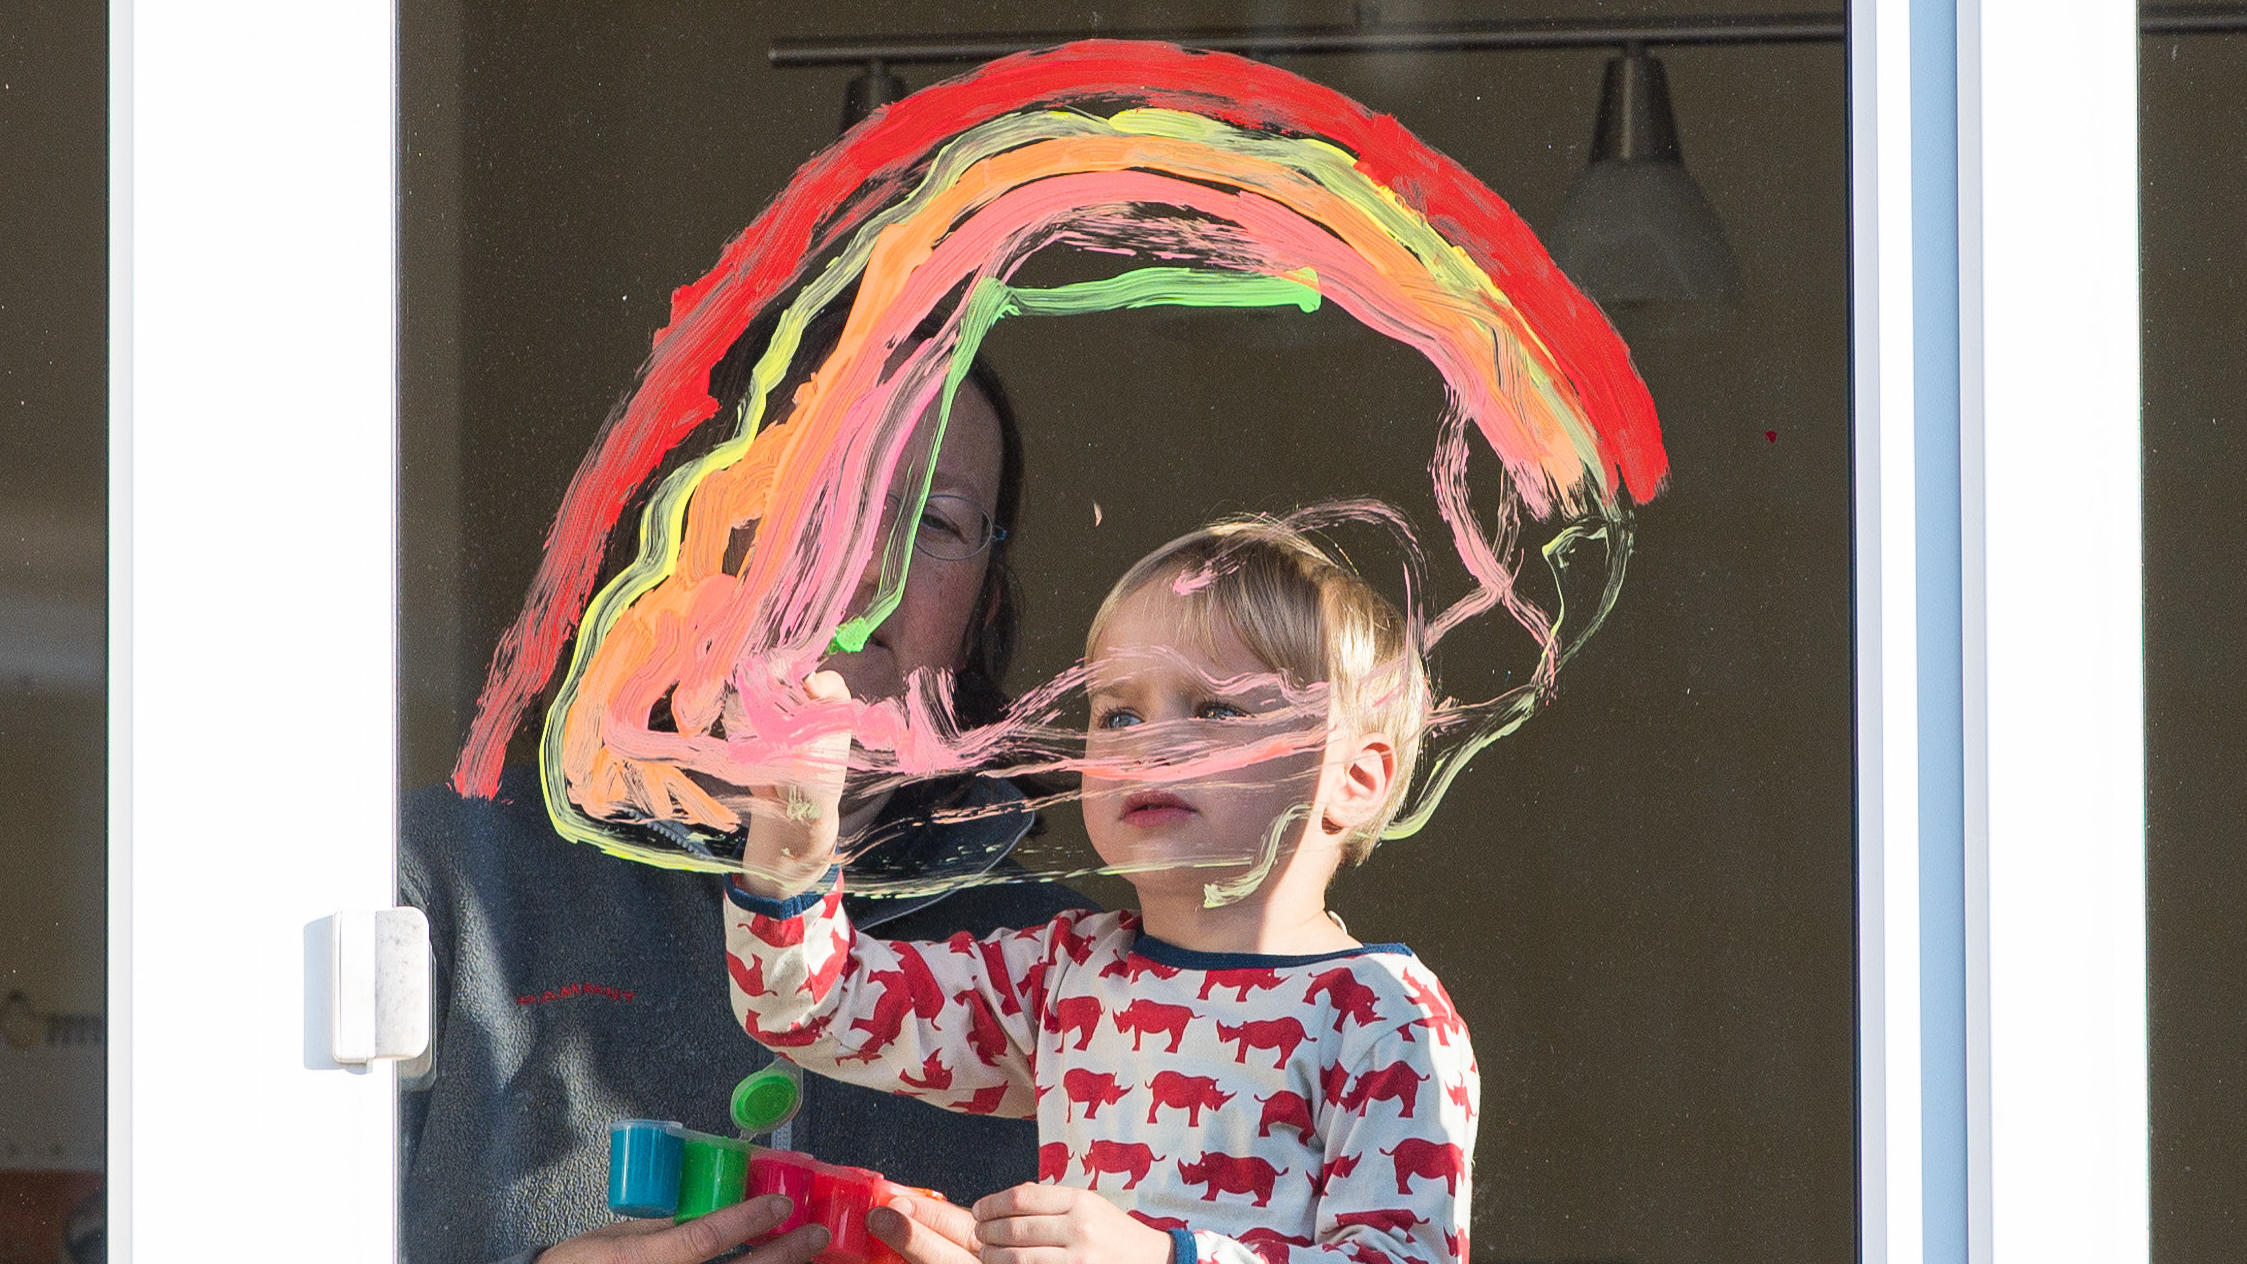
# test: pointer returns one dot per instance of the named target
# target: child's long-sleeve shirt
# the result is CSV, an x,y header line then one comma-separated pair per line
x,y
1264,1109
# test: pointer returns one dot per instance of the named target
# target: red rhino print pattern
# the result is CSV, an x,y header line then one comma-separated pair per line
x,y
1242,981
788,932
1334,1084
1165,1223
934,1074
1269,1244
1149,1018
1430,996
1131,966
1281,1034
1133,1157
1285,1109
838,966
1078,947
1460,1097
1190,1093
1033,1003
1033,986
1386,1219
1444,1028
921,985
995,967
983,1101
892,1004
810,1033
1396,1081
986,1038
1232,1174
749,976
1432,1160
1445,1022
1091,1090
777,932
1079,1014
1336,1169
1351,999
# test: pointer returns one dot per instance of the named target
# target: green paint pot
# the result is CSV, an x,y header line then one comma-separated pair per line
x,y
713,1173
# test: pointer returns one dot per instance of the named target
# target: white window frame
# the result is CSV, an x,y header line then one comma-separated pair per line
x,y
252,723
1889,1205
252,380
2054,646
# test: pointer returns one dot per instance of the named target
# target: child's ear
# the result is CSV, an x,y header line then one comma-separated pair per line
x,y
1369,766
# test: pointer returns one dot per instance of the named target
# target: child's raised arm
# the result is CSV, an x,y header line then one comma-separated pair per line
x,y
792,825
954,1023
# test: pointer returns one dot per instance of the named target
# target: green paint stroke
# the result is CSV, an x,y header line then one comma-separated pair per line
x,y
993,300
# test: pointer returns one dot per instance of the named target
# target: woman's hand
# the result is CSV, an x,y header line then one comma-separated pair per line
x,y
925,1230
792,825
1060,1224
700,1239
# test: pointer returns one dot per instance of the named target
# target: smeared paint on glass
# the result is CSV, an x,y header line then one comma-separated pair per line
x,y
1223,183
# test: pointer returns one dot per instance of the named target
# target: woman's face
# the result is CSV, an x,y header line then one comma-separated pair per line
x,y
929,628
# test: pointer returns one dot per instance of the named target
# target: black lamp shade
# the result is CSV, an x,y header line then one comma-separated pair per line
x,y
1635,228
869,90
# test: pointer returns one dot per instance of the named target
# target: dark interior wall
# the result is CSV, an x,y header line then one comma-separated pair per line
x,y
54,336
54,357
1642,901
2192,116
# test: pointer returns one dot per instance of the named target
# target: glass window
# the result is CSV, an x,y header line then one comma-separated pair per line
x,y
1642,902
2190,87
53,664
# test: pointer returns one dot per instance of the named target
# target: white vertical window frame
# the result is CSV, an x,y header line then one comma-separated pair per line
x,y
1888,951
252,561
2058,1149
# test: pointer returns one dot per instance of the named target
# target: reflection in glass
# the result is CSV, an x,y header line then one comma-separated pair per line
x,y
53,603
1647,902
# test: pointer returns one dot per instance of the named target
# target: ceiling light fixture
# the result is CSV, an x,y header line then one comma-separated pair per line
x,y
869,90
1634,228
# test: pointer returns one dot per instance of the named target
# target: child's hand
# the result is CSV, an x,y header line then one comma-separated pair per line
x,y
792,826
1060,1224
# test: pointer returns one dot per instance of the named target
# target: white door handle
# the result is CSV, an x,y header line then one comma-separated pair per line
x,y
380,977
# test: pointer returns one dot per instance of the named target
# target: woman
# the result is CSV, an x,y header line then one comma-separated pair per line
x,y
575,989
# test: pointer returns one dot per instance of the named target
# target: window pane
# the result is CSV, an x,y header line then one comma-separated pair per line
x,y
1642,902
54,331
2191,93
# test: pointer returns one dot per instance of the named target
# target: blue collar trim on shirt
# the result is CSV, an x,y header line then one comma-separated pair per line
x,y
1163,952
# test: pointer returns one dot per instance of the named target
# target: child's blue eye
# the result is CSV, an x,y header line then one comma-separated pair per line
x,y
1116,719
1221,711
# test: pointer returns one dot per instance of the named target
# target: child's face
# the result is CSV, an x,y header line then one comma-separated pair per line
x,y
1196,752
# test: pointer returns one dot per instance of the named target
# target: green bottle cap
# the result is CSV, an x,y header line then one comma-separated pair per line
x,y
767,1099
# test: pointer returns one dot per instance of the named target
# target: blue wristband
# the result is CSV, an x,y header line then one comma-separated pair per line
x,y
794,906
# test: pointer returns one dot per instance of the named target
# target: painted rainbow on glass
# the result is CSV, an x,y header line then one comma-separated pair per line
x,y
1214,181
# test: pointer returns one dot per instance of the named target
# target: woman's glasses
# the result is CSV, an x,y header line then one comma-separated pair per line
x,y
952,528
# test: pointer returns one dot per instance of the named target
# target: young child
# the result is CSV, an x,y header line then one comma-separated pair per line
x,y
1226,1074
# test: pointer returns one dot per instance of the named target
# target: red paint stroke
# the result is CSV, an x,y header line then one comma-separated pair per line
x,y
839,189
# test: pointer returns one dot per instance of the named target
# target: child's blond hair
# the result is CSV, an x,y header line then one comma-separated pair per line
x,y
1306,614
